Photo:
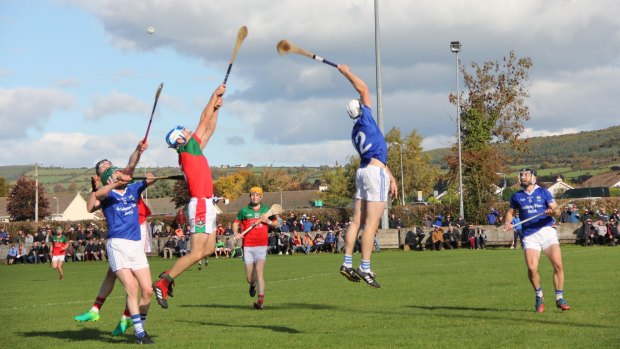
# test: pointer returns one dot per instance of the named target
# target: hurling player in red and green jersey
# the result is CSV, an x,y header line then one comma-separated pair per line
x,y
254,242
59,245
201,211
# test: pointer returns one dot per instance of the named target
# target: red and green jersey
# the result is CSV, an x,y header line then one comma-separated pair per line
x,y
246,217
59,245
196,169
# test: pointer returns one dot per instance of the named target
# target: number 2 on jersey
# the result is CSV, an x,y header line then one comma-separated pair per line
x,y
360,138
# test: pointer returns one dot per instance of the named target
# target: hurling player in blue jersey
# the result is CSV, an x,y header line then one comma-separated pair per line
x,y
538,234
119,202
373,182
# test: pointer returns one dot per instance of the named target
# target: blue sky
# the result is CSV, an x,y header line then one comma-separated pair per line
x,y
77,78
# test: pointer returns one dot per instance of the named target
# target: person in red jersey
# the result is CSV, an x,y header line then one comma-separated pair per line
x,y
201,211
59,245
254,242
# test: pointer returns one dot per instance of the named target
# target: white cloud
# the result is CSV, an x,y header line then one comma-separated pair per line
x,y
113,104
23,108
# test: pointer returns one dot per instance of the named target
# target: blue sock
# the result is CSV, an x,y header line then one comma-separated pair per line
x,y
138,328
365,266
559,294
143,319
539,292
348,261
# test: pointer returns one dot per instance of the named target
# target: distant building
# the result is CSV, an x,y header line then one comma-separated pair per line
x,y
607,180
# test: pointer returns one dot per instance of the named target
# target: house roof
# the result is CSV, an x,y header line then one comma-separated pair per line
x,y
607,180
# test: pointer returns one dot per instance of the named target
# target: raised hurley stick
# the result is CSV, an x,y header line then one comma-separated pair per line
x,y
241,35
274,210
285,47
148,128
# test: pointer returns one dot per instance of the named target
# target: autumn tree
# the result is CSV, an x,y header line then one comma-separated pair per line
x,y
233,185
21,200
493,110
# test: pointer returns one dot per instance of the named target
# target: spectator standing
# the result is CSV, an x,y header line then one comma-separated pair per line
x,y
517,231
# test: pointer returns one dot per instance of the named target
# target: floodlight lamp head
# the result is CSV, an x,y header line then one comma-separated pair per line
x,y
455,46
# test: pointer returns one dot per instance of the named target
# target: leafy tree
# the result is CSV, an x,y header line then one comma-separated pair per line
x,y
21,200
338,193
181,194
418,172
493,109
161,189
233,185
4,187
58,188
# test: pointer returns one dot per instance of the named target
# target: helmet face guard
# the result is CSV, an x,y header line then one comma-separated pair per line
x,y
532,174
101,163
354,108
173,135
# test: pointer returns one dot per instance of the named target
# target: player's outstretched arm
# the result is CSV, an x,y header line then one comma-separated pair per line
x,y
358,84
208,118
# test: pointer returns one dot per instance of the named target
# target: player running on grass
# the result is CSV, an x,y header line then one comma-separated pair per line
x,y
59,246
254,242
538,234
201,210
373,182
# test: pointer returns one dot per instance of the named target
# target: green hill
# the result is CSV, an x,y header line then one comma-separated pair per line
x,y
571,155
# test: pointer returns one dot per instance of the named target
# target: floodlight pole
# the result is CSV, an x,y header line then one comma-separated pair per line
x,y
455,47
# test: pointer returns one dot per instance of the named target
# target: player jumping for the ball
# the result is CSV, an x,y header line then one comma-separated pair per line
x,y
373,182
201,210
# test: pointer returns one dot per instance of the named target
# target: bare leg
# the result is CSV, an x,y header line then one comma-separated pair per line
x,y
354,227
532,257
554,254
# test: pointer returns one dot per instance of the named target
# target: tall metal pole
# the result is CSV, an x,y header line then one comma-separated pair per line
x,y
384,219
402,176
458,121
36,192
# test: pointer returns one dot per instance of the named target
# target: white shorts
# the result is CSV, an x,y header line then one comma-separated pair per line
x,y
201,213
145,236
58,258
541,239
254,254
372,183
126,254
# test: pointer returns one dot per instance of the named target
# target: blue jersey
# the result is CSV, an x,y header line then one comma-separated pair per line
x,y
530,205
368,139
121,212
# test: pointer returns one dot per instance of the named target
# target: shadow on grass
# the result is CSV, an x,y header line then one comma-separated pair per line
x,y
282,329
83,334
280,306
453,311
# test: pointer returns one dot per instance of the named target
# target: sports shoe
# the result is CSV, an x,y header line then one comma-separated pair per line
x,y
144,340
160,294
252,290
87,316
170,290
122,326
349,273
540,304
561,304
369,277
258,305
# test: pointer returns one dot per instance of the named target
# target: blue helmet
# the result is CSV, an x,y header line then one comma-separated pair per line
x,y
173,135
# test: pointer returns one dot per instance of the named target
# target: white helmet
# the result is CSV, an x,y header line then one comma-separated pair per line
x,y
173,135
354,108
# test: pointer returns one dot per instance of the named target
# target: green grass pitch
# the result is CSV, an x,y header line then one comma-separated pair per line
x,y
447,299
